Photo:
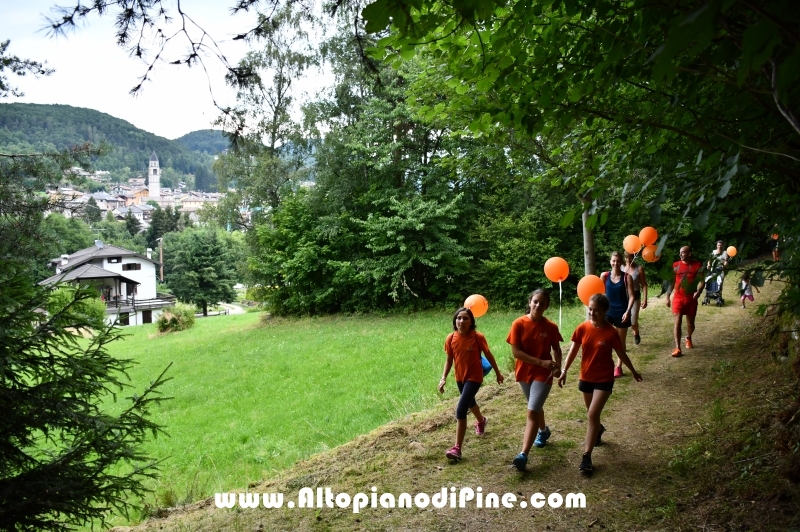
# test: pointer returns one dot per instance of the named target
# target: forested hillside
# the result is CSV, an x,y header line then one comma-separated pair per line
x,y
210,141
28,128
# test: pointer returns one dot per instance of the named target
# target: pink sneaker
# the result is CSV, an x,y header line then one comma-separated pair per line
x,y
480,427
454,453
618,372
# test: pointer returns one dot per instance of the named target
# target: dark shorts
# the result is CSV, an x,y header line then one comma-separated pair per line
x,y
637,294
617,321
589,387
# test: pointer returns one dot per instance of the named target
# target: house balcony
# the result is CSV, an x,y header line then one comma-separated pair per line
x,y
122,305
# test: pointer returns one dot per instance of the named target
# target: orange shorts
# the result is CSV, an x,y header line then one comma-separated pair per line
x,y
686,306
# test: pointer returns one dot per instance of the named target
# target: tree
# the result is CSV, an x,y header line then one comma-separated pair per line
x,y
58,439
92,213
162,221
413,246
709,88
19,67
132,224
69,234
115,233
268,152
205,180
198,268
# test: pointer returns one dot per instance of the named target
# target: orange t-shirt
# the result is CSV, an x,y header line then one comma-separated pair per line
x,y
537,339
597,365
466,350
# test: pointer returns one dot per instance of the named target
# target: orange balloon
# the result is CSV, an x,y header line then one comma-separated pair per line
x,y
589,286
648,236
632,244
649,253
477,304
731,251
556,269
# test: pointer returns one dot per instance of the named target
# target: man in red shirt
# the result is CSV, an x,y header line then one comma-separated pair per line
x,y
688,287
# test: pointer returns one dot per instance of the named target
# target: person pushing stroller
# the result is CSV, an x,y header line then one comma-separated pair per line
x,y
716,275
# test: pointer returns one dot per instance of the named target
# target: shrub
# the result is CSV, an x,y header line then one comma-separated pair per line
x,y
91,309
178,318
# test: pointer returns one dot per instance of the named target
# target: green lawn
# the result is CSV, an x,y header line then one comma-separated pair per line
x,y
250,398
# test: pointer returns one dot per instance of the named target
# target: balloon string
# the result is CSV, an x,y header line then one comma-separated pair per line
x,y
559,305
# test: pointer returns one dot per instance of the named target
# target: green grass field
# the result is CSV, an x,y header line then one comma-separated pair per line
x,y
252,398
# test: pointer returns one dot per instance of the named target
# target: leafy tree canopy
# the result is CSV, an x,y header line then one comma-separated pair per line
x,y
699,98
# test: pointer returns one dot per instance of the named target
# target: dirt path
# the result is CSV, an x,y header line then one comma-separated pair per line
x,y
633,487
232,308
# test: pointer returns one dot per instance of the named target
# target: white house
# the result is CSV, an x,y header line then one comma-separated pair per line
x,y
126,281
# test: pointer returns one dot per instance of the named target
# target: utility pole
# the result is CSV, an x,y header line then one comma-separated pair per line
x,y
161,257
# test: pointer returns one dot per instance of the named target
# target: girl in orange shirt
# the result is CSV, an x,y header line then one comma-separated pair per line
x,y
533,337
596,338
464,348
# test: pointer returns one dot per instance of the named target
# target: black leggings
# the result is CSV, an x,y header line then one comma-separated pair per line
x,y
468,390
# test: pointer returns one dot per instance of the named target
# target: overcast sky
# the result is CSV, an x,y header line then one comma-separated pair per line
x,y
92,71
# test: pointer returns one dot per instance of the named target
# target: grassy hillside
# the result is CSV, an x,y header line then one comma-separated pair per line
x,y
36,127
252,398
690,448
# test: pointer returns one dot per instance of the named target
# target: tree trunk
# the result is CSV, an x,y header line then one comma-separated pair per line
x,y
588,239
205,309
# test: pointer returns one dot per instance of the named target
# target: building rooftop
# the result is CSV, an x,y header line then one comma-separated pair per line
x,y
87,271
98,251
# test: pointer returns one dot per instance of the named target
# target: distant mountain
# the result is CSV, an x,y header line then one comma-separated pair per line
x,y
210,141
35,128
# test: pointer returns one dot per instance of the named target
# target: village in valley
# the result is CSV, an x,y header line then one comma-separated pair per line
x,y
125,279
137,197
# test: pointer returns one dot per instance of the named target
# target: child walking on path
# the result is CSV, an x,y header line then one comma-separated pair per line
x,y
464,348
621,300
638,282
533,337
746,289
595,338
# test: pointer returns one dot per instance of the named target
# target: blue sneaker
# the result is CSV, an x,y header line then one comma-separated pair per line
x,y
541,437
520,461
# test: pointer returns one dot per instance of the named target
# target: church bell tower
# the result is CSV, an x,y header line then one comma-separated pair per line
x,y
154,179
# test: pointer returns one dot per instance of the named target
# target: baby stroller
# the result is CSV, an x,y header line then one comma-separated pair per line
x,y
714,287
